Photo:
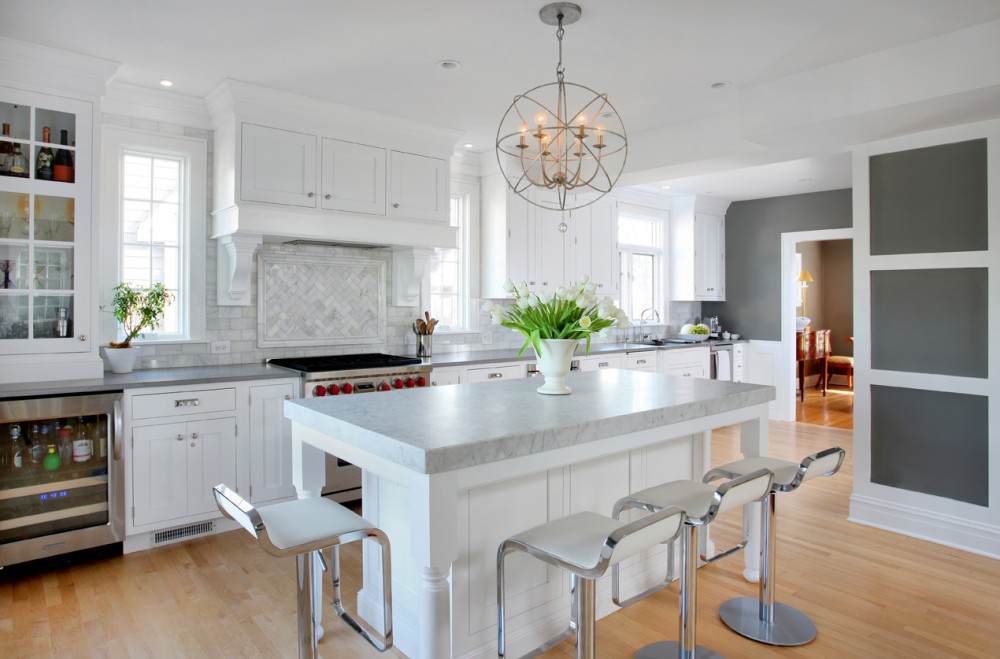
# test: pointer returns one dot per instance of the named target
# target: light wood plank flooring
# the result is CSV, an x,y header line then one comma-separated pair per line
x,y
871,593
835,410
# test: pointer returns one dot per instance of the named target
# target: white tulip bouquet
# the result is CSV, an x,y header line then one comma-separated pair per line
x,y
570,313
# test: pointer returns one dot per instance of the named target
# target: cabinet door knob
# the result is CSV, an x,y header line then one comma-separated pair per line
x,y
328,196
288,397
180,438
194,435
395,205
82,337
312,194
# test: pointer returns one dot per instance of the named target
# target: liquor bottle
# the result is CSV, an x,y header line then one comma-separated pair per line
x,y
17,451
37,450
6,149
43,165
18,163
66,445
62,167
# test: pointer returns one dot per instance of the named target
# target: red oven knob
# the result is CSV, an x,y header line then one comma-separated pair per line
x,y
409,382
347,388
333,389
319,390
421,381
383,386
397,383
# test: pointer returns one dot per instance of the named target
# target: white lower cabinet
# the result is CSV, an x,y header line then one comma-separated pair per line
x,y
175,465
444,376
182,442
601,362
686,362
495,373
641,361
270,442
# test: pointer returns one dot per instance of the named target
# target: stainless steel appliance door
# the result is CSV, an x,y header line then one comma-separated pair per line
x,y
62,475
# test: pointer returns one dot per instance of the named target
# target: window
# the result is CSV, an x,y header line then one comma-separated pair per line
x,y
154,230
640,242
448,282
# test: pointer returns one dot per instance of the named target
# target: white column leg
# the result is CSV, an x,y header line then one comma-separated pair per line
x,y
753,443
435,613
308,464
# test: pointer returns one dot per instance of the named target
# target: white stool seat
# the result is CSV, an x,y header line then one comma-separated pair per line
x,y
788,475
784,470
694,498
584,544
304,522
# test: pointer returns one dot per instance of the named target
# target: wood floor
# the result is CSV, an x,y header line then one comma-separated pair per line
x,y
871,593
835,410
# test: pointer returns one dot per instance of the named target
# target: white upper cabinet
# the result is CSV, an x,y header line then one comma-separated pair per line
x,y
698,250
278,166
419,187
338,173
522,242
353,177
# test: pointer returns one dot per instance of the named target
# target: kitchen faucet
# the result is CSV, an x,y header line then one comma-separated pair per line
x,y
642,320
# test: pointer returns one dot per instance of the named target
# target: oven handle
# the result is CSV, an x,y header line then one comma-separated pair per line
x,y
117,425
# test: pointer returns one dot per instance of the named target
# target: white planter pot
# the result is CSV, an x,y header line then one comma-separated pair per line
x,y
122,360
554,363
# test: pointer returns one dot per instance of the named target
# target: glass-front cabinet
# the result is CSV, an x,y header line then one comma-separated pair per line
x,y
45,238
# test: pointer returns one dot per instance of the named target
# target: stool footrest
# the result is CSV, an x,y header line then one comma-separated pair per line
x,y
789,626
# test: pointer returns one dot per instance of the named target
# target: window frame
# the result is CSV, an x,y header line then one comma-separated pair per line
x,y
468,246
658,252
193,154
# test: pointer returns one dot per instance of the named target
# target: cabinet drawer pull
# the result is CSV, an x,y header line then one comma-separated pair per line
x,y
311,195
602,365
395,205
288,396
187,402
180,438
640,361
328,196
194,435
494,376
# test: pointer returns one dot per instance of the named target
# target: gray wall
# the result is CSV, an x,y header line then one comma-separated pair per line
x,y
838,293
753,256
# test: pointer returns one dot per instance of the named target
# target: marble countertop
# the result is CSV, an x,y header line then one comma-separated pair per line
x,y
438,429
153,377
471,357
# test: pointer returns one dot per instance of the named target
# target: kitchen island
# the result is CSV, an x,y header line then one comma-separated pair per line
x,y
452,471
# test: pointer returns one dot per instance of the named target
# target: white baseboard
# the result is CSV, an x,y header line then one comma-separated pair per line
x,y
967,535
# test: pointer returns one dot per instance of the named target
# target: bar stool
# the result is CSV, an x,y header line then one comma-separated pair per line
x,y
583,544
700,503
300,528
763,619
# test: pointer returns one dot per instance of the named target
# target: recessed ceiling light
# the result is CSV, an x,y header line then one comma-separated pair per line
x,y
804,180
449,64
166,83
721,84
468,145
665,187
709,192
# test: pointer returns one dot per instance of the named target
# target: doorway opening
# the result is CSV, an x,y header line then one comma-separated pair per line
x,y
817,282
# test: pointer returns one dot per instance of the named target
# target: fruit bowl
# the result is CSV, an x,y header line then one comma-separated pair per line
x,y
693,337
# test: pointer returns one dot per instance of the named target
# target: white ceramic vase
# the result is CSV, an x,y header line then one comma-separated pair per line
x,y
122,360
554,364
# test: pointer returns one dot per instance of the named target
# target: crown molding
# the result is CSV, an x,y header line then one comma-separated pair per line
x,y
42,68
157,105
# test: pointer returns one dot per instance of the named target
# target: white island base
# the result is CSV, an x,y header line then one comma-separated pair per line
x,y
453,471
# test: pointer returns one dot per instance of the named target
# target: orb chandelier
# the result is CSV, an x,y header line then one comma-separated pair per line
x,y
561,137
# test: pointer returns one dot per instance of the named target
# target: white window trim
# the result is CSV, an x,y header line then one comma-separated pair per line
x,y
194,152
662,217
469,237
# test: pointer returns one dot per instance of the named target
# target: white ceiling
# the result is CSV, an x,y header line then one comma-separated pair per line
x,y
654,58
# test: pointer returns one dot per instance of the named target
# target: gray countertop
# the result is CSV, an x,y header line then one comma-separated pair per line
x,y
155,377
472,357
439,429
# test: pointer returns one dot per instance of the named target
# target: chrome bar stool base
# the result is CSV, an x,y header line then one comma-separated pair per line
x,y
788,625
671,649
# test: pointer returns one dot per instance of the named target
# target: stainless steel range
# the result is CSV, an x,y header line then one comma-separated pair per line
x,y
336,375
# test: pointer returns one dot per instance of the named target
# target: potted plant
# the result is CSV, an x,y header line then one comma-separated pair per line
x,y
555,323
137,310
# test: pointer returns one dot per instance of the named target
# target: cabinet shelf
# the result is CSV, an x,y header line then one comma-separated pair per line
x,y
39,481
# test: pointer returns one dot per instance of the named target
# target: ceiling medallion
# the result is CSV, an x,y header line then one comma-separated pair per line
x,y
561,137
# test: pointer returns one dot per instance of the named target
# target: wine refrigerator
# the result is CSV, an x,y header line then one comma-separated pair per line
x,y
61,475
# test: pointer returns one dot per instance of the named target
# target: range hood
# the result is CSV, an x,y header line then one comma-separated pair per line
x,y
282,163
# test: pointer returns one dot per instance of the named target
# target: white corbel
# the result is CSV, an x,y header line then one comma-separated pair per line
x,y
235,253
408,266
